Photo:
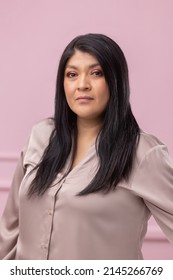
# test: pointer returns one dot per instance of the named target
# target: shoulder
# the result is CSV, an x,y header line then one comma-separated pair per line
x,y
42,130
148,143
149,139
38,140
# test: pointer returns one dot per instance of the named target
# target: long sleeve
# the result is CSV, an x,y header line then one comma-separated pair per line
x,y
154,183
25,226
9,222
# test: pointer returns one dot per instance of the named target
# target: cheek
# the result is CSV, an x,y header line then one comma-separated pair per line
x,y
69,89
66,88
105,100
105,93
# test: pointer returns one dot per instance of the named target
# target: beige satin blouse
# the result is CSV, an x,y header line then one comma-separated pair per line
x,y
60,225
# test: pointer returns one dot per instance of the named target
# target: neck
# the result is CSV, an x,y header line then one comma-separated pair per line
x,y
88,128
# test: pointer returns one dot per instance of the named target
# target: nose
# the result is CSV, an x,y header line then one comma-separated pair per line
x,y
83,83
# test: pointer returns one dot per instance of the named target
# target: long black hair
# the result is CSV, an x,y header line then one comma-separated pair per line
x,y
119,135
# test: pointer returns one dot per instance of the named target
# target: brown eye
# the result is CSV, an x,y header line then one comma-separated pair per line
x,y
71,75
97,73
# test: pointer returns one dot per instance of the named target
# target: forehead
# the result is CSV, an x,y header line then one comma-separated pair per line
x,y
81,58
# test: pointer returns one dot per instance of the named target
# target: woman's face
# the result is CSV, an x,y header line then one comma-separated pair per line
x,y
85,87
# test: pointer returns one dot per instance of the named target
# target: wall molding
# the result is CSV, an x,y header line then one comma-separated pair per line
x,y
5,185
154,233
8,157
5,159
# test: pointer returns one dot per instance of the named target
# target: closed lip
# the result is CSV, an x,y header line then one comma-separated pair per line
x,y
84,97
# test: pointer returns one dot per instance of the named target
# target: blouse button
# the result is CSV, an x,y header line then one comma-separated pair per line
x,y
50,213
44,247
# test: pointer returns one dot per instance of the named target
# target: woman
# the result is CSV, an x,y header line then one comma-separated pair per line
x,y
89,179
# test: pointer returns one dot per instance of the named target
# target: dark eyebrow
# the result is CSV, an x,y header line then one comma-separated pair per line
x,y
90,66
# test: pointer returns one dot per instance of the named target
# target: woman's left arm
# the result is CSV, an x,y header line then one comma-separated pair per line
x,y
154,183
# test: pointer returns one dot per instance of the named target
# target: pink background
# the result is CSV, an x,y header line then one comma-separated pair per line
x,y
33,34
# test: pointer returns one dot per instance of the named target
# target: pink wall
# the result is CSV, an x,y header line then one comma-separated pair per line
x,y
33,35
